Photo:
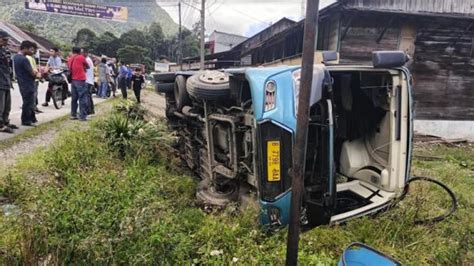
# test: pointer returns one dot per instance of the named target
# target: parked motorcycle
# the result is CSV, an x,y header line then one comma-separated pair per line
x,y
57,78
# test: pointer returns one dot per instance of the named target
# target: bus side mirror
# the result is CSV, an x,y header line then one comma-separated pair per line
x,y
389,59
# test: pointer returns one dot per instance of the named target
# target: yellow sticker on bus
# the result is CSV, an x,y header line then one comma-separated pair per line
x,y
273,161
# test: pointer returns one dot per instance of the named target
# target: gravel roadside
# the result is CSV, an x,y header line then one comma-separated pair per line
x,y
9,155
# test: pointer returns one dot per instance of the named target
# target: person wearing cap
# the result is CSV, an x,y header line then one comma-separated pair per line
x,y
5,85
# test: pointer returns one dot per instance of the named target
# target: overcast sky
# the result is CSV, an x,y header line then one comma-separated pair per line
x,y
243,17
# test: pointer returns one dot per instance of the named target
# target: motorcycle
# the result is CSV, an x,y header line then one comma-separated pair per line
x,y
57,79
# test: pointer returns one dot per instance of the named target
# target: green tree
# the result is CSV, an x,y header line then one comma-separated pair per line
x,y
107,44
156,40
190,44
133,37
133,54
85,38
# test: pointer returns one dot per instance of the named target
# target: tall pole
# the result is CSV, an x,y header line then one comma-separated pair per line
x,y
180,39
203,13
302,121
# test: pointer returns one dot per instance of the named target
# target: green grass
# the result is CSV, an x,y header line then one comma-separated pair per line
x,y
82,204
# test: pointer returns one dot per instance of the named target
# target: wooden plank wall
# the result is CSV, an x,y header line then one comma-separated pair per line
x,y
465,7
442,51
443,69
284,45
361,37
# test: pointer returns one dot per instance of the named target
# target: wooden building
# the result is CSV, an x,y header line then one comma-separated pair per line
x,y
437,34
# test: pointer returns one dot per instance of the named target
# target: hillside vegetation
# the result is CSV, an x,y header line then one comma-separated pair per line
x,y
62,28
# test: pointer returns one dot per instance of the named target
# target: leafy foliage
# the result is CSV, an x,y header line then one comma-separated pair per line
x,y
136,46
133,54
128,133
92,207
133,38
85,38
131,110
105,44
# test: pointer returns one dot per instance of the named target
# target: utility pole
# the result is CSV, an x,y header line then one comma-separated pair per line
x,y
203,14
302,122
180,39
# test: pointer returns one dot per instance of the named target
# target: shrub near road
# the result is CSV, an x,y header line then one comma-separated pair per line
x,y
90,200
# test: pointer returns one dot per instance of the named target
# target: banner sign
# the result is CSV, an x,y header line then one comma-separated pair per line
x,y
162,67
66,7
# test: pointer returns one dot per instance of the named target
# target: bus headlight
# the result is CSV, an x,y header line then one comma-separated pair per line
x,y
270,95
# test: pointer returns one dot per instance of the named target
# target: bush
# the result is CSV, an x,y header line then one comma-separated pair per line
x,y
127,133
131,110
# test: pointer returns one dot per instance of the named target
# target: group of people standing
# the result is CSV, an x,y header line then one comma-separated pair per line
x,y
86,76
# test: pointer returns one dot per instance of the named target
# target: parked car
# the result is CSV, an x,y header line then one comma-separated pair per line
x,y
236,131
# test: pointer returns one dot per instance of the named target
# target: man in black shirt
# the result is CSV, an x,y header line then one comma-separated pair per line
x,y
138,82
26,81
5,85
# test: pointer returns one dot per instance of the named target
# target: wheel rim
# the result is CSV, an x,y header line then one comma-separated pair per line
x,y
214,77
223,190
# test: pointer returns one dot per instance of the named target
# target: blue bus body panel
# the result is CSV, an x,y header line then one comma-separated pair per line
x,y
283,114
282,203
284,108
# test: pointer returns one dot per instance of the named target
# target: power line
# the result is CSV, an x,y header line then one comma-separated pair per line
x,y
256,19
213,23
217,7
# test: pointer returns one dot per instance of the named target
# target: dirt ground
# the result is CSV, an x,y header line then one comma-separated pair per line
x,y
155,103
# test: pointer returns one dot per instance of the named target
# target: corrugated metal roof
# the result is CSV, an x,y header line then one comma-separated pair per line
x,y
463,8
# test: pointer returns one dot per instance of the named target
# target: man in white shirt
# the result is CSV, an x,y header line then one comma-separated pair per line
x,y
89,80
55,63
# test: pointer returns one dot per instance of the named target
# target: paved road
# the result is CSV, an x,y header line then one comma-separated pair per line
x,y
49,113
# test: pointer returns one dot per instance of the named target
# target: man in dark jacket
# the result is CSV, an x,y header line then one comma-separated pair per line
x,y
26,77
5,85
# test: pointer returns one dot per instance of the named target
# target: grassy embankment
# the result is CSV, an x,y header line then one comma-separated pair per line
x,y
112,194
